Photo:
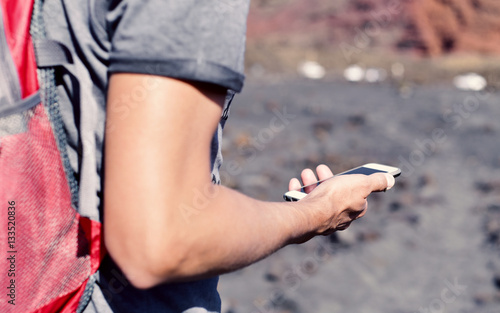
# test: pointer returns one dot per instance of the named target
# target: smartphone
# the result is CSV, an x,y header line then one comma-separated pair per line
x,y
367,169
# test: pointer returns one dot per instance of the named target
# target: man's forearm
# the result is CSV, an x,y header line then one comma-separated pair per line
x,y
234,230
210,233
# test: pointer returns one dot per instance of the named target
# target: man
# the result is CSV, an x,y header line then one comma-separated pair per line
x,y
154,78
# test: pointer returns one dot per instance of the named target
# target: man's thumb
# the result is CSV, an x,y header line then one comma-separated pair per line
x,y
382,182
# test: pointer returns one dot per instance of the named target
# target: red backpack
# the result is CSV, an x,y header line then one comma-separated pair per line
x,y
48,251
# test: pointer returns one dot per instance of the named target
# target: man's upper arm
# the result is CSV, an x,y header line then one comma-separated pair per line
x,y
157,152
159,129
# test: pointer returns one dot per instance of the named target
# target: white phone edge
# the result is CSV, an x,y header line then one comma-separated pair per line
x,y
295,195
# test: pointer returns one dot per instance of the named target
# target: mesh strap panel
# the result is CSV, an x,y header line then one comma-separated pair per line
x,y
51,257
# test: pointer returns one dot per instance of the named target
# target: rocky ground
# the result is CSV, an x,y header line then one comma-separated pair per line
x,y
432,244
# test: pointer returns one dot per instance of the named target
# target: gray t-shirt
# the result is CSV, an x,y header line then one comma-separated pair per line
x,y
194,40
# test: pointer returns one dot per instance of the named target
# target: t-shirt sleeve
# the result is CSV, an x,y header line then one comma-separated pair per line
x,y
199,40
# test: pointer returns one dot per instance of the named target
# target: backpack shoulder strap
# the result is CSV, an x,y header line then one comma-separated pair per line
x,y
48,55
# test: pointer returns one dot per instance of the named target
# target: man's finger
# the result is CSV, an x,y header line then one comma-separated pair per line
x,y
381,182
323,171
308,178
294,184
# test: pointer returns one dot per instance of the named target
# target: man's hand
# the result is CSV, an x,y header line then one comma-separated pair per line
x,y
340,200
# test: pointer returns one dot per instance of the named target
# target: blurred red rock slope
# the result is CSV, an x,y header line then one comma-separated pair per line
x,y
429,27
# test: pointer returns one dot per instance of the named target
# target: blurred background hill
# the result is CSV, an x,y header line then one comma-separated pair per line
x,y
435,39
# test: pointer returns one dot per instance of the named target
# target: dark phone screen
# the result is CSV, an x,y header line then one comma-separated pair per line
x,y
361,170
